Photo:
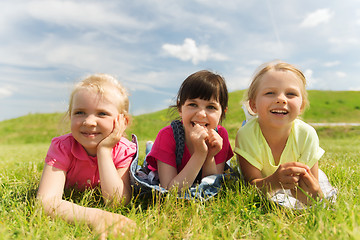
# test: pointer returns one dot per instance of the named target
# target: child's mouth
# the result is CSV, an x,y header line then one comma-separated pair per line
x,y
89,134
280,112
201,124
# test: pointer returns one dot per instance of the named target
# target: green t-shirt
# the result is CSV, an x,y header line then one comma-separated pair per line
x,y
301,146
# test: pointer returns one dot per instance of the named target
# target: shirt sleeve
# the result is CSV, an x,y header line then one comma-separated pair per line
x,y
123,153
58,154
248,144
310,150
226,152
163,149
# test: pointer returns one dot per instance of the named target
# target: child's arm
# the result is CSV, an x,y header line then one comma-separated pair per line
x,y
115,183
309,183
285,177
168,175
50,193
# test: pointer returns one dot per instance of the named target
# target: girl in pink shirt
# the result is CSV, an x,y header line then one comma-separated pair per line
x,y
201,103
94,153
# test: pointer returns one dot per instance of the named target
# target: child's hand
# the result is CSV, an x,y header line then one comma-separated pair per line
x,y
198,135
287,176
214,142
114,137
310,185
114,225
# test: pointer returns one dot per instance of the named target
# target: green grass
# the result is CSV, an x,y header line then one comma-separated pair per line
x,y
238,212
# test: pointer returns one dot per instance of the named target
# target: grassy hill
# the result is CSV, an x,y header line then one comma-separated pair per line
x,y
325,106
238,212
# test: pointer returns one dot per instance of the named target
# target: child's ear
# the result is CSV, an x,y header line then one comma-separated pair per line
x,y
178,108
302,108
179,111
126,119
252,106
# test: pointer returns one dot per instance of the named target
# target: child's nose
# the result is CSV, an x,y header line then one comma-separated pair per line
x,y
202,112
281,98
89,121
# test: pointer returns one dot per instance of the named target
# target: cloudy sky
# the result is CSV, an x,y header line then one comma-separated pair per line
x,y
152,46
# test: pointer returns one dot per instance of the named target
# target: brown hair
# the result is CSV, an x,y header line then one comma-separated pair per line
x,y
204,85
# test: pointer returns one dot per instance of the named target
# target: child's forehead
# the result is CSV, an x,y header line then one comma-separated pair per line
x,y
93,93
275,77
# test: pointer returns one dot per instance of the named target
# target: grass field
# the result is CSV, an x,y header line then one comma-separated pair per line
x,y
238,212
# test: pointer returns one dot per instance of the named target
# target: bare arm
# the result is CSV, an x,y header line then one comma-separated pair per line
x,y
168,175
50,193
115,183
286,176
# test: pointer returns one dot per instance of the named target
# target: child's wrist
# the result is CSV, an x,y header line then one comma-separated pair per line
x,y
103,149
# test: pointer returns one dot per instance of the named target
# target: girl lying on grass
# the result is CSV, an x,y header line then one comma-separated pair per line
x,y
276,150
94,153
202,101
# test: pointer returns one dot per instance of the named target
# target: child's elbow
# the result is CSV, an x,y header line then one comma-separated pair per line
x,y
49,204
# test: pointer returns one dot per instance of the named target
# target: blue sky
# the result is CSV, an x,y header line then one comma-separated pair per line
x,y
152,46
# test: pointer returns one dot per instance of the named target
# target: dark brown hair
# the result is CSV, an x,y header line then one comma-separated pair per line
x,y
204,85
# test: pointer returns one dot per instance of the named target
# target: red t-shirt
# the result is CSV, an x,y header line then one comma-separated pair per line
x,y
66,154
164,149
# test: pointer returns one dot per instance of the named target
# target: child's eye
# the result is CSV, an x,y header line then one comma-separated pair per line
x,y
269,93
292,94
79,113
212,107
102,114
192,104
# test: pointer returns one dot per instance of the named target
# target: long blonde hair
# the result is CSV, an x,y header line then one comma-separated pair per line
x,y
251,93
107,86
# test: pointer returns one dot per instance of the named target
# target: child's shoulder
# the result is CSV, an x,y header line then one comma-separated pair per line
x,y
66,140
302,128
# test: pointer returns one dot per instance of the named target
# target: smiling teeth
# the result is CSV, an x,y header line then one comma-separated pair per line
x,y
201,124
279,111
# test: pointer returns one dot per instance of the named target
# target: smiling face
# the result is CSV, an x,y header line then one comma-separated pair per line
x,y
206,113
278,100
92,119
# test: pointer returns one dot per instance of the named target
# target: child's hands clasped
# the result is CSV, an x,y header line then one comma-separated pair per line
x,y
205,140
214,142
299,179
309,187
287,176
198,136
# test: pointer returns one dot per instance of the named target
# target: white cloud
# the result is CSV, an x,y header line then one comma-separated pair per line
x,y
5,92
315,18
341,74
345,40
331,64
189,51
79,14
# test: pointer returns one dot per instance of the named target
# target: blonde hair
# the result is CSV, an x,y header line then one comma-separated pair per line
x,y
251,93
107,87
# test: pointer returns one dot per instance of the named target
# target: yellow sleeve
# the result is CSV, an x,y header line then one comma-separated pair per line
x,y
248,144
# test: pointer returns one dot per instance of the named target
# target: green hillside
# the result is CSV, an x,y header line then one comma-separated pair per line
x,y
326,106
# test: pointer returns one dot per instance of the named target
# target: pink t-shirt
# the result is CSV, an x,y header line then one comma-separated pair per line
x,y
66,154
164,149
